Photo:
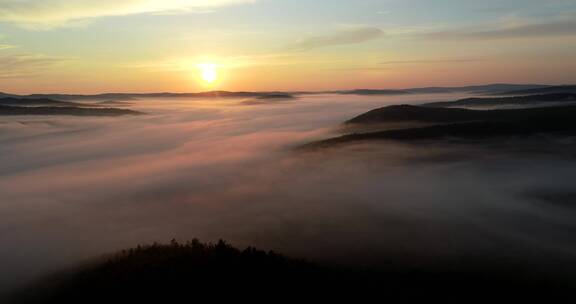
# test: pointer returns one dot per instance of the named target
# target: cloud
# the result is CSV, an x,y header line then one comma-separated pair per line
x,y
350,36
26,65
431,61
72,188
45,14
557,28
387,65
6,46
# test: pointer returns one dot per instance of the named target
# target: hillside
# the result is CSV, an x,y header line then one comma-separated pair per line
x,y
545,90
528,100
459,132
373,92
409,113
456,125
68,111
26,102
479,89
177,272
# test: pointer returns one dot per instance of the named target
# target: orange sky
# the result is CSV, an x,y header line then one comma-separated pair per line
x,y
150,46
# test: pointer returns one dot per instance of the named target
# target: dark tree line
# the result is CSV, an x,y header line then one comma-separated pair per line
x,y
196,272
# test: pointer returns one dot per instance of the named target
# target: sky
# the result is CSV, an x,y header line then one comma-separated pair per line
x,y
92,46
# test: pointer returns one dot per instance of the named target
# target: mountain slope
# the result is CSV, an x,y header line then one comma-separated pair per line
x,y
507,101
456,125
11,101
546,90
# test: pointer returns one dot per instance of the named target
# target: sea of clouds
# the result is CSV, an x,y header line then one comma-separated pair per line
x,y
73,188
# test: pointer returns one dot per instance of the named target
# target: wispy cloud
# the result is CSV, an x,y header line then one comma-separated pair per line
x,y
6,46
557,28
27,65
344,37
45,14
432,61
390,65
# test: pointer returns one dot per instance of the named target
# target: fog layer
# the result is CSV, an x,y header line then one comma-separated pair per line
x,y
75,188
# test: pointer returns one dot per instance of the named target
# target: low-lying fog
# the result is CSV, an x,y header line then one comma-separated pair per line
x,y
72,188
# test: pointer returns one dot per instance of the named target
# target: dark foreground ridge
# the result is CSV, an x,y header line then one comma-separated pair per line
x,y
197,271
68,111
456,125
471,132
408,113
508,101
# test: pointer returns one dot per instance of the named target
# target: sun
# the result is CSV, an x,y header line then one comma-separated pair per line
x,y
208,72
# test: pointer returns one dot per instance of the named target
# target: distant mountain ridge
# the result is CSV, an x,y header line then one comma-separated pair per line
x,y
132,96
478,89
373,92
481,89
499,88
11,101
66,111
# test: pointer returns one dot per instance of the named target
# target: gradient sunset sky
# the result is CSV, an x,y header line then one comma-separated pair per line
x,y
90,46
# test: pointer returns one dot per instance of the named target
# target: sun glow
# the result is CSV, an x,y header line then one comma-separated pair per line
x,y
208,72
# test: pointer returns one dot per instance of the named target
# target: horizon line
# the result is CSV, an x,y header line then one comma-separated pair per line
x,y
291,91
